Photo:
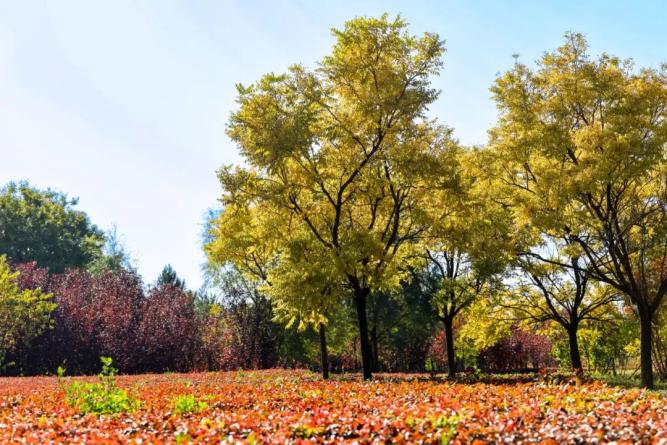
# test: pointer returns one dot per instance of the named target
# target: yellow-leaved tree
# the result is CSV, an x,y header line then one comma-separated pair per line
x,y
581,148
467,245
338,159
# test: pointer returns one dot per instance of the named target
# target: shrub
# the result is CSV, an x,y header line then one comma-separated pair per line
x,y
521,350
104,397
24,313
98,315
188,404
168,330
109,314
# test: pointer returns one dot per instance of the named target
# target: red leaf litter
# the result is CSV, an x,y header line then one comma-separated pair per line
x,y
279,406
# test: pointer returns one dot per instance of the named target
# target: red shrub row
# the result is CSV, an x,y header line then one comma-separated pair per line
x,y
164,328
110,314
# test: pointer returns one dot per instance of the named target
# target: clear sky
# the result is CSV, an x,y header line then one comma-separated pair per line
x,y
123,103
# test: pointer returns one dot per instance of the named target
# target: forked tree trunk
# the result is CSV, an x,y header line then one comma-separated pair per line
x,y
324,355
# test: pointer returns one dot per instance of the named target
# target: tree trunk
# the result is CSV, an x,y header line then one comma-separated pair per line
x,y
323,352
360,300
575,356
645,346
449,339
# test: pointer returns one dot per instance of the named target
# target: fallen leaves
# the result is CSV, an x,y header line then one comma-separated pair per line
x,y
296,407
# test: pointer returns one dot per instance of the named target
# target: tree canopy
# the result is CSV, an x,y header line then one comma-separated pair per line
x,y
43,226
339,156
581,152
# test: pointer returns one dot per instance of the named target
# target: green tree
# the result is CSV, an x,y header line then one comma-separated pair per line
x,y
336,156
24,314
43,226
580,144
113,256
401,325
169,277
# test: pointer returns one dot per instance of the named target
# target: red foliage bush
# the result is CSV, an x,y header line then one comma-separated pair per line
x,y
241,336
521,350
107,314
98,315
168,332
437,351
110,314
31,276
221,347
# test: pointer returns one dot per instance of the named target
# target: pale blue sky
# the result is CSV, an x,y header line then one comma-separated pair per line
x,y
123,103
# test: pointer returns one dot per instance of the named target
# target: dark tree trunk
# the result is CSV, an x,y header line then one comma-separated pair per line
x,y
449,339
360,296
645,346
575,356
324,355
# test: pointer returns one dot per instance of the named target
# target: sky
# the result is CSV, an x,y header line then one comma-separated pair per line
x,y
123,103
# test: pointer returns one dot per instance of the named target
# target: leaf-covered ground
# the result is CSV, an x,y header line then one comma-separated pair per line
x,y
295,407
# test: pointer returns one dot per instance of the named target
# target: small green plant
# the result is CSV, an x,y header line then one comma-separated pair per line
x,y
305,431
188,404
447,424
103,397
182,438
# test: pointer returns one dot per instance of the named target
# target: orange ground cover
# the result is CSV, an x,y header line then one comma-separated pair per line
x,y
296,407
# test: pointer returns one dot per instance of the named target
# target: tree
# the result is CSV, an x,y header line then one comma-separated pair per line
x,y
660,343
581,144
24,313
550,292
113,257
336,155
43,226
460,282
250,318
304,299
168,276
249,238
466,246
401,325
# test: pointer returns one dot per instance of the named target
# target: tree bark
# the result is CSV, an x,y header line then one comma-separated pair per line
x,y
575,356
360,296
449,339
324,355
645,346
